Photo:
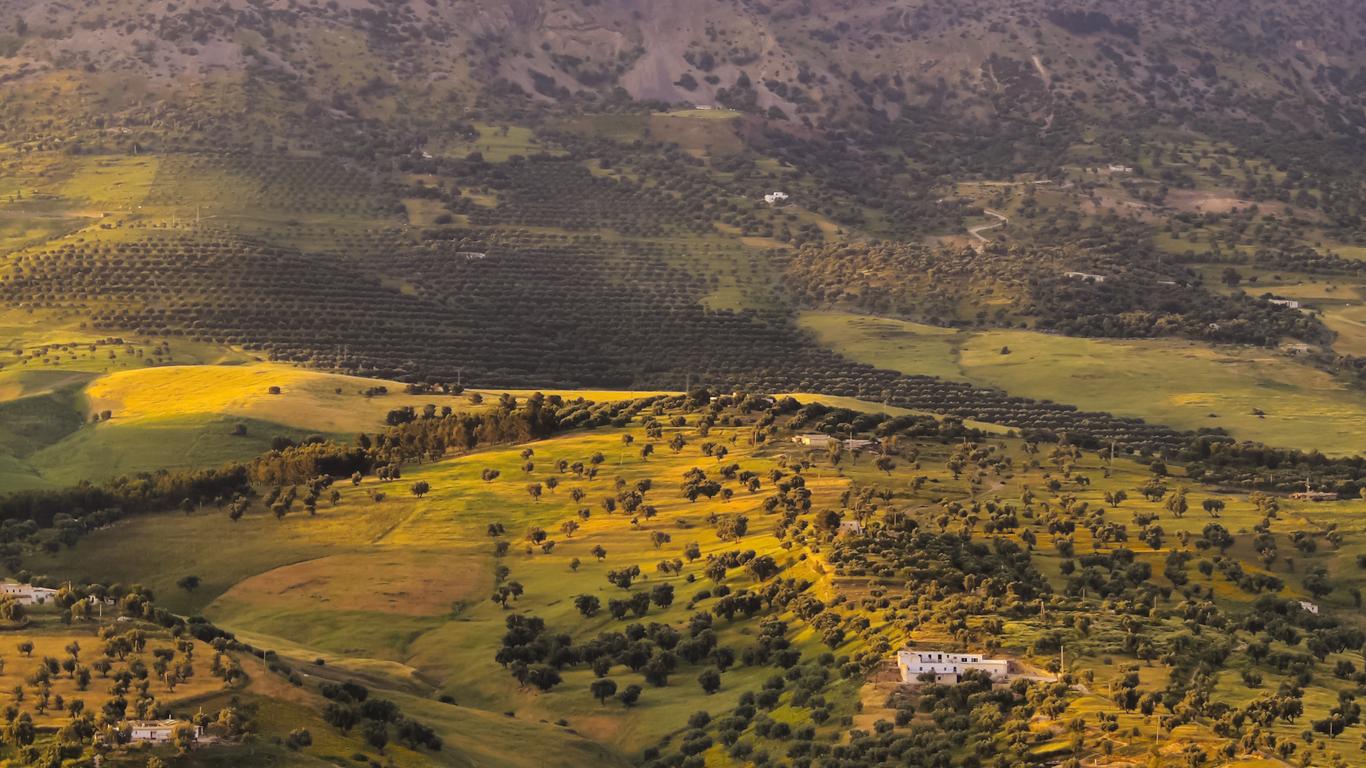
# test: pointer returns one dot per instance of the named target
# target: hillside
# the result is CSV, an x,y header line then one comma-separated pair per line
x,y
814,62
709,564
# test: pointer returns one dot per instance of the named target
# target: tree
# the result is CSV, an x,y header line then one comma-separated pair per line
x,y
420,488
188,583
885,464
662,595
630,696
693,551
762,568
710,680
603,690
343,717
1177,504
568,527
376,734
1218,536
534,491
588,605
544,677
599,552
732,527
1316,581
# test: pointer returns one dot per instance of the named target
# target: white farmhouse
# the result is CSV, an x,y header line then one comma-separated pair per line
x,y
774,198
26,594
1119,168
158,731
1308,606
814,440
948,668
1287,303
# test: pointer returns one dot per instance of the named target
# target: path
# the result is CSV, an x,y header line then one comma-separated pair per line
x,y
977,231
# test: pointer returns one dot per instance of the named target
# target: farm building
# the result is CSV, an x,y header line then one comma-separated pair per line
x,y
1085,276
1308,606
947,668
814,440
1314,496
851,527
775,198
26,594
1287,303
158,731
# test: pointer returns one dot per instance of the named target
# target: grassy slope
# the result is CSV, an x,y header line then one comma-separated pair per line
x,y
262,577
1173,382
182,416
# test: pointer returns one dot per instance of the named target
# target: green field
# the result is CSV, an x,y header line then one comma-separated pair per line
x,y
1183,384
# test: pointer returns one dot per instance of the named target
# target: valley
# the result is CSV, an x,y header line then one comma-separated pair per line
x,y
555,383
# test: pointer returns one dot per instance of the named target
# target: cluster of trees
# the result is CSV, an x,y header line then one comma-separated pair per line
x,y
350,705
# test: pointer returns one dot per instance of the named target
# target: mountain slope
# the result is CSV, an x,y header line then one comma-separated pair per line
x,y
822,63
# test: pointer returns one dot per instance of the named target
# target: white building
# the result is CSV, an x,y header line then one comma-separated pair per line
x,y
856,444
1290,303
814,440
158,731
26,594
947,668
1308,606
1085,276
1118,168
774,198
851,527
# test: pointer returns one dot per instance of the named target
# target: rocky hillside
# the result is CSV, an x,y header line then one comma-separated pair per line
x,y
799,62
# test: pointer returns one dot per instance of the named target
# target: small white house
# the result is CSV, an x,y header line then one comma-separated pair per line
x,y
1288,303
26,594
1308,606
946,667
158,731
814,440
1118,168
1296,348
775,198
